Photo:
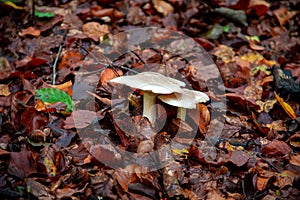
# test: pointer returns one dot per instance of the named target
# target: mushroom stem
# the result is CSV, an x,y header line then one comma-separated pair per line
x,y
149,110
181,113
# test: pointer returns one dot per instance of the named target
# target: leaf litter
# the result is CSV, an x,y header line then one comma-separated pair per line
x,y
41,149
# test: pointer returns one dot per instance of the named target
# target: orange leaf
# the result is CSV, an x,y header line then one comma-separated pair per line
x,y
69,58
261,183
66,87
30,31
286,107
109,74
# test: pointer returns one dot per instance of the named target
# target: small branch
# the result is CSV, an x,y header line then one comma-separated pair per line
x,y
55,63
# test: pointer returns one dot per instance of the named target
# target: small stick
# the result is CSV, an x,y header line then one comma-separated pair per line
x,y
55,63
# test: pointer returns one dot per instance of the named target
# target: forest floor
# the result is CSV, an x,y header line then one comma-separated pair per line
x,y
68,132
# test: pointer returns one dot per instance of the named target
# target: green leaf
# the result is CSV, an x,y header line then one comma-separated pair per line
x,y
53,95
263,68
226,28
253,38
44,14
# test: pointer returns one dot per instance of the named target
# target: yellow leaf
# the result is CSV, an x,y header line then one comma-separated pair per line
x,y
11,4
286,107
4,90
181,152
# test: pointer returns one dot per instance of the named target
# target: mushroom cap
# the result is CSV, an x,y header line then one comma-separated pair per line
x,y
186,99
151,81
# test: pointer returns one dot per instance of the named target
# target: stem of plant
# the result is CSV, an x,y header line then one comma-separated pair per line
x,y
181,113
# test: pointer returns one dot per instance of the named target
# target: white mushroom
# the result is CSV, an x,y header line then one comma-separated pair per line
x,y
152,84
185,99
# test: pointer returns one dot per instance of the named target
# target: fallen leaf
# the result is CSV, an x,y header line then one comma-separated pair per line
x,y
276,148
66,87
286,107
260,7
95,30
80,119
224,52
294,140
108,74
4,90
261,183
235,15
214,195
30,31
163,7
295,159
239,158
22,164
283,15
266,106
38,190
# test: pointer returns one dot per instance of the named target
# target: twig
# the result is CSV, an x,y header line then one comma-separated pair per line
x,y
57,57
269,163
55,63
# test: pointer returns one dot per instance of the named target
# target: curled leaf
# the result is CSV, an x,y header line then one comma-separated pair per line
x,y
286,107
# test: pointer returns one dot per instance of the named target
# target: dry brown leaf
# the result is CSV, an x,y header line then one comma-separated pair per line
x,y
4,90
261,183
253,45
276,148
30,31
283,15
214,195
295,160
108,74
224,52
163,7
294,140
80,119
95,30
